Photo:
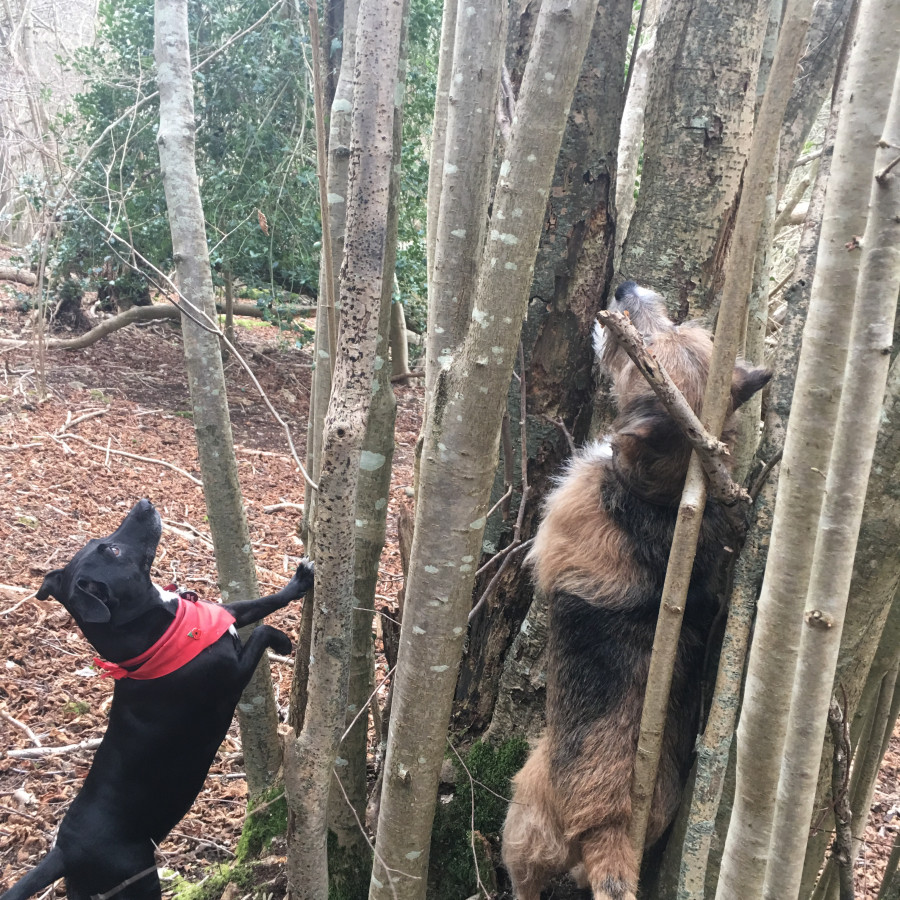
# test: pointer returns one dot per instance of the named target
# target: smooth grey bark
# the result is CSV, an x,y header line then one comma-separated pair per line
x,y
571,277
871,331
807,451
310,756
203,362
814,80
698,124
460,443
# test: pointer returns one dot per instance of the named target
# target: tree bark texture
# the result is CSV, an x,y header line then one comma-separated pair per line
x,y
311,755
349,874
814,80
698,124
203,362
460,443
800,489
871,332
572,272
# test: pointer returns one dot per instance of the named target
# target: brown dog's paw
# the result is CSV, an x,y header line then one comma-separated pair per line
x,y
611,888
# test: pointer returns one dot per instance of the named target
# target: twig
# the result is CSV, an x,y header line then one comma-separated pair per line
x,y
841,849
37,752
22,726
15,606
365,706
146,459
562,427
710,451
880,176
275,507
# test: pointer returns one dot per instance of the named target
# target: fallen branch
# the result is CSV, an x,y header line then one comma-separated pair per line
x,y
275,507
14,273
148,314
22,727
711,451
147,459
37,752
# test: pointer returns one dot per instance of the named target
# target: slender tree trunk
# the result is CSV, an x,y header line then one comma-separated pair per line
x,y
807,450
698,124
871,334
311,755
572,272
349,872
460,444
203,362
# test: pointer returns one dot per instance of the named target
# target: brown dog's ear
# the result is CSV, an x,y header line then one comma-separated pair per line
x,y
51,585
746,382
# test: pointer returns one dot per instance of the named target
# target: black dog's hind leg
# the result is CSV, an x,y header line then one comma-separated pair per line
x,y
51,868
246,612
260,639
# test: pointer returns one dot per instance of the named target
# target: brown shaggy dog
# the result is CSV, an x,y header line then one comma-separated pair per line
x,y
600,555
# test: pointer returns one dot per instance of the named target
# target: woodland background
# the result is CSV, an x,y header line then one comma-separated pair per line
x,y
369,198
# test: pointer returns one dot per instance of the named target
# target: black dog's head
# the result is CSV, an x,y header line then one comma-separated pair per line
x,y
108,581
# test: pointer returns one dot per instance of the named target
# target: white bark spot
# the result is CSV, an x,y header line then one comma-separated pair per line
x,y
549,76
379,363
504,238
342,105
445,360
483,389
468,559
457,631
505,166
439,669
525,627
470,11
341,762
531,157
323,354
431,570
499,214
511,266
599,338
465,568
415,854
481,361
480,316
438,329
459,232
450,169
417,630
517,213
335,198
361,523
381,503
422,760
507,320
377,883
478,524
458,77
371,462
497,351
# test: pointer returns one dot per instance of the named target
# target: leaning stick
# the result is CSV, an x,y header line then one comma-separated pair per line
x,y
36,752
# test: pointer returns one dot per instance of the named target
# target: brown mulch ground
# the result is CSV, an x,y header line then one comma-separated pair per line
x,y
63,484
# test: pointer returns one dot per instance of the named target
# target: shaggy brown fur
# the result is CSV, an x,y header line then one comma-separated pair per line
x,y
601,554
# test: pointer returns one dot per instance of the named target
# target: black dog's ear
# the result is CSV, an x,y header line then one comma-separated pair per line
x,y
88,602
746,382
52,585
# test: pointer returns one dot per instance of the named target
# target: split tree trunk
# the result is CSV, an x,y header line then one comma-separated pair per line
x,y
203,361
311,755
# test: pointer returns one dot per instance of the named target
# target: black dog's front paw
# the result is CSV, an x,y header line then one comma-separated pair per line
x,y
303,579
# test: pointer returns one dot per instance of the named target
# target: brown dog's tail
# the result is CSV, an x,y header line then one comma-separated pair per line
x,y
51,868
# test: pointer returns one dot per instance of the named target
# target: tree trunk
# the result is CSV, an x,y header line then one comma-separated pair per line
x,y
350,867
806,454
699,119
870,339
203,361
572,271
460,442
311,755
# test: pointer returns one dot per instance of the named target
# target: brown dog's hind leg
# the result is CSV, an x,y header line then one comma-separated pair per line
x,y
609,862
534,847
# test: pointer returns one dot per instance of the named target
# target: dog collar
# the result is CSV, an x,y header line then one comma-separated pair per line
x,y
197,625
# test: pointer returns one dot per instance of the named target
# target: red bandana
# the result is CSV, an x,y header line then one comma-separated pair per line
x,y
196,627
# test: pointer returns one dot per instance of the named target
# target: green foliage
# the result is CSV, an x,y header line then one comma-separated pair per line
x,y
348,875
260,828
253,140
451,873
213,886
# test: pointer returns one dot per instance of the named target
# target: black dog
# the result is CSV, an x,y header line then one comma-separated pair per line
x,y
180,670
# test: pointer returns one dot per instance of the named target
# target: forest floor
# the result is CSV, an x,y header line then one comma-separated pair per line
x,y
63,480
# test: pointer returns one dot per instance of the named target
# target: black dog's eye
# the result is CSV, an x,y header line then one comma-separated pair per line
x,y
113,549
